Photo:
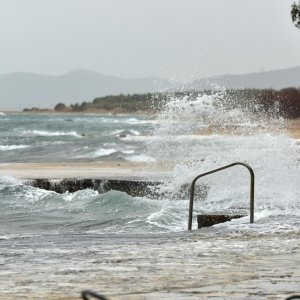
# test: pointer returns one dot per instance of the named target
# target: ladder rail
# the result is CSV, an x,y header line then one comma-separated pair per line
x,y
218,170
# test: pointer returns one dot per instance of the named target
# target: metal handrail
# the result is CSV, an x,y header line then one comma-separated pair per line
x,y
217,170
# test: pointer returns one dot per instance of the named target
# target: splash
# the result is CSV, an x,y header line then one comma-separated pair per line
x,y
203,132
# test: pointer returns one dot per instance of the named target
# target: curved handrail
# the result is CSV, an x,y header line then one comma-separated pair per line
x,y
217,170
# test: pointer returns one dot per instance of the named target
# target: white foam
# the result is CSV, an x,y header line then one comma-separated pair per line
x,y
134,132
133,138
12,147
128,151
141,158
263,144
50,133
104,152
9,180
135,121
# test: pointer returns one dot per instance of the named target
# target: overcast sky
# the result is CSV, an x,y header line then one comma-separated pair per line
x,y
178,39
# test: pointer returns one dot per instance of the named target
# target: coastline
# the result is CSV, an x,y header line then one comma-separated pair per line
x,y
85,112
111,170
293,125
294,128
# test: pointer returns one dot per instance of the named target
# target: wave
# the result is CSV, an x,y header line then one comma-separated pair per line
x,y
50,133
12,147
259,140
9,180
128,151
141,158
178,138
135,121
126,133
24,208
130,121
103,152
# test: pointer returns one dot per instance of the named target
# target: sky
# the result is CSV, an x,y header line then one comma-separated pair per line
x,y
176,39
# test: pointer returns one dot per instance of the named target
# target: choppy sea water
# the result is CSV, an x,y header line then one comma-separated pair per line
x,y
71,138
55,245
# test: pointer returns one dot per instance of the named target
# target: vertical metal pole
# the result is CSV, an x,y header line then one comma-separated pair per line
x,y
251,196
191,205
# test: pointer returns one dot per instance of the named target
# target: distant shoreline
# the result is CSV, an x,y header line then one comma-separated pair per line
x,y
293,125
285,102
85,112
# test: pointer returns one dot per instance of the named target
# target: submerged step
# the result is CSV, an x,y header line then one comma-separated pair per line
x,y
207,220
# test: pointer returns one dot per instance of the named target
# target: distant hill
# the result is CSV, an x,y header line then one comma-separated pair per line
x,y
276,79
20,90
26,90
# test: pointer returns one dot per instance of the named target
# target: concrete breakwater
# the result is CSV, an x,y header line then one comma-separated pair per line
x,y
135,188
135,179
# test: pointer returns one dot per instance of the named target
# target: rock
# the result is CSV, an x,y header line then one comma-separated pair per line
x,y
210,220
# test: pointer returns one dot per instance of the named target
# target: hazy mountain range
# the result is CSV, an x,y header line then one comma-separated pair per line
x,y
20,90
276,79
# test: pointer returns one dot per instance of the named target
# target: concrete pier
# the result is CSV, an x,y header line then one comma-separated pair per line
x,y
135,188
135,179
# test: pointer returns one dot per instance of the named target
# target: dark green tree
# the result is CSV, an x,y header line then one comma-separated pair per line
x,y
295,14
60,106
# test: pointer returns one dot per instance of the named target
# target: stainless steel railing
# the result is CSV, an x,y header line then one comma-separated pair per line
x,y
217,170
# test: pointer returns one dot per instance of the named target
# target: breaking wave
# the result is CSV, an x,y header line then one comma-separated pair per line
x,y
198,134
12,147
50,133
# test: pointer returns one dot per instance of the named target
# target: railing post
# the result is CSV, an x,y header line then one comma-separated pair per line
x,y
192,190
191,204
251,196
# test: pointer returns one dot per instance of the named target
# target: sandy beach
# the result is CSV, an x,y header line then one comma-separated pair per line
x,y
111,170
294,128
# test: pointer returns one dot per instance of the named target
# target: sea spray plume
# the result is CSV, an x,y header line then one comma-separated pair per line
x,y
190,118
183,120
9,180
206,131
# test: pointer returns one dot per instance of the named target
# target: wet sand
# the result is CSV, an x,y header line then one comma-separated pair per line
x,y
294,128
102,170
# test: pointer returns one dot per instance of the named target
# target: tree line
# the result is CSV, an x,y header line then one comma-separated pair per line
x,y
286,102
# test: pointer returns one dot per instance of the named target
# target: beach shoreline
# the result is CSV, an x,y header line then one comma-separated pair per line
x,y
292,125
91,111
100,170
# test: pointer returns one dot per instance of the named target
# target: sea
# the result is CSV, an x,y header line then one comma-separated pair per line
x,y
54,246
